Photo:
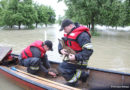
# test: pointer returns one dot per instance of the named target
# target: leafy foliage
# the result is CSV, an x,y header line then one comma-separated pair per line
x,y
25,12
103,12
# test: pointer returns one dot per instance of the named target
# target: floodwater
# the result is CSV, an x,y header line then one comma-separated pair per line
x,y
111,48
111,51
5,84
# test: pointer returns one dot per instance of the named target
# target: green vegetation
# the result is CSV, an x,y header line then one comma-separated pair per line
x,y
25,12
104,12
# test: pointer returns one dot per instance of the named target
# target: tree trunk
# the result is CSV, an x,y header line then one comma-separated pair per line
x,y
92,23
89,25
36,25
19,25
11,26
46,25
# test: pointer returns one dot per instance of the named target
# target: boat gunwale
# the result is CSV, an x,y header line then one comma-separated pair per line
x,y
99,69
93,68
26,79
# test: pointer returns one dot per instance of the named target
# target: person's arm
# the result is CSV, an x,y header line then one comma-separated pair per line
x,y
45,61
45,68
42,68
85,42
60,48
45,65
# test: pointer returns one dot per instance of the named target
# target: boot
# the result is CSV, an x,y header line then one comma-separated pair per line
x,y
75,84
84,76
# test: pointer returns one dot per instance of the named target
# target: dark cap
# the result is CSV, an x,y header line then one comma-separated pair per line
x,y
65,23
49,44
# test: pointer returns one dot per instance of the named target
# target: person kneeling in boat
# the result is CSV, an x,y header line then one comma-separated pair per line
x,y
34,57
77,38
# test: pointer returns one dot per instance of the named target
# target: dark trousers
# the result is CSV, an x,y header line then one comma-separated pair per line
x,y
33,61
30,62
42,63
68,70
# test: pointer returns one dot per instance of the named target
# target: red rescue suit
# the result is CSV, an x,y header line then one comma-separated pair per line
x,y
27,52
71,38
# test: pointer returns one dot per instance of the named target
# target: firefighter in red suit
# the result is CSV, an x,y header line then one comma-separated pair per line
x,y
34,57
77,38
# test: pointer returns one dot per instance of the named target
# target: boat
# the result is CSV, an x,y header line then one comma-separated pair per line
x,y
99,79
